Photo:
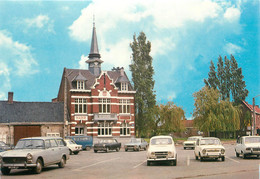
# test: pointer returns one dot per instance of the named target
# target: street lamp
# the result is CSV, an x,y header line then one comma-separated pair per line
x,y
254,128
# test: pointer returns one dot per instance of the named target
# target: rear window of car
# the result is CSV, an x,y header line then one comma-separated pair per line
x,y
252,140
161,141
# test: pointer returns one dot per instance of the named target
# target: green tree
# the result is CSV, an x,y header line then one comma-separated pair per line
x,y
212,79
238,85
169,118
212,114
142,77
227,81
221,77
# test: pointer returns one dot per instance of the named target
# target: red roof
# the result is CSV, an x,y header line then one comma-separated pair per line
x,y
250,107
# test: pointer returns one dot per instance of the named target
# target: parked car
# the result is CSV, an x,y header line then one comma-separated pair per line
x,y
35,153
85,141
4,146
190,143
73,147
247,146
106,145
136,144
162,148
209,147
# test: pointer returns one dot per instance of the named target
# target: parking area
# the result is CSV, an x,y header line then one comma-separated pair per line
x,y
88,164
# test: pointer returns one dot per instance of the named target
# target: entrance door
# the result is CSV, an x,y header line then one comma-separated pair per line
x,y
26,131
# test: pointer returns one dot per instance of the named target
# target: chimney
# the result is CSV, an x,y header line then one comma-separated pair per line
x,y
10,97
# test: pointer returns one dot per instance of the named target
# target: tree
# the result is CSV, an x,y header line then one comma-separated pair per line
x,y
169,118
212,114
212,79
228,80
142,77
238,86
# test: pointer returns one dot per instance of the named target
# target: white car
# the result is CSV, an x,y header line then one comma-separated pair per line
x,y
248,145
209,147
162,148
74,148
191,141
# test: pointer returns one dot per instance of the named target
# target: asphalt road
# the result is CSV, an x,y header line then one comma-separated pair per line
x,y
88,164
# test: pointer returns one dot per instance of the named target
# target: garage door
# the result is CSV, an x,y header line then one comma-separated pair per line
x,y
26,131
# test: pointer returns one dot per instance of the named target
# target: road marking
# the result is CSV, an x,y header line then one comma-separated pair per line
x,y
78,169
139,164
232,159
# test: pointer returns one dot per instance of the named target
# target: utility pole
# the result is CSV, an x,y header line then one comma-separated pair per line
x,y
254,120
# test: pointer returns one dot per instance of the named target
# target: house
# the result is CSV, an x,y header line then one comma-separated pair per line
x,y
97,103
29,119
249,107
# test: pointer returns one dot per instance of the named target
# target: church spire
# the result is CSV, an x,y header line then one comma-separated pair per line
x,y
94,61
94,52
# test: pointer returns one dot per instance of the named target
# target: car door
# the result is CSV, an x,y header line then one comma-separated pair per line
x,y
197,147
62,148
55,150
239,145
49,153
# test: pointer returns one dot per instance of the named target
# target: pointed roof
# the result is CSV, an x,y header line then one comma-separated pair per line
x,y
79,77
94,52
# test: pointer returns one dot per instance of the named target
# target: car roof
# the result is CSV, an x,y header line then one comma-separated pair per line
x,y
250,136
42,138
195,137
210,138
161,136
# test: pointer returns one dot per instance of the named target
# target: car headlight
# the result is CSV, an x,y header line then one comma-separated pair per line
x,y
169,153
204,151
248,148
29,158
152,153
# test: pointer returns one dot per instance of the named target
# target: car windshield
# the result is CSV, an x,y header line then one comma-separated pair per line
x,y
135,141
161,141
70,141
2,143
252,140
106,141
210,142
192,139
30,144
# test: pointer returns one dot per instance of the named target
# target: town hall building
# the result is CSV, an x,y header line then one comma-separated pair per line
x,y
97,103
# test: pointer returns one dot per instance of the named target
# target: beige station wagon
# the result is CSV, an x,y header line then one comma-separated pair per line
x,y
35,153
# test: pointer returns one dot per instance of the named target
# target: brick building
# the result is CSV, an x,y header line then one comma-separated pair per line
x,y
249,107
97,103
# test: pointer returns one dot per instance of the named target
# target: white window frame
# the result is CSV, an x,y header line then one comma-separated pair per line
x,y
53,134
124,106
105,129
80,85
80,130
125,129
124,87
81,106
104,105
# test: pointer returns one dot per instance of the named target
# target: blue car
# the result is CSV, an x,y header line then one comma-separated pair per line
x,y
85,141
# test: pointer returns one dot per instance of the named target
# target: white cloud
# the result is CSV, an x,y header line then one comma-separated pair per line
x,y
16,59
40,22
172,96
232,14
82,62
232,48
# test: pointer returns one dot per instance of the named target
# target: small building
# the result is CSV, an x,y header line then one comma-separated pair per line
x,y
97,103
29,119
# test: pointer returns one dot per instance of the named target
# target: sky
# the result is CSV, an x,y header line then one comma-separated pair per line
x,y
39,38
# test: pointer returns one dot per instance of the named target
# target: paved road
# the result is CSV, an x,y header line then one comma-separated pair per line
x,y
88,164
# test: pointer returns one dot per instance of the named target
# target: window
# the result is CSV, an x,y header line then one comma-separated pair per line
x,y
104,129
104,105
124,87
53,143
79,130
125,129
80,105
124,106
80,85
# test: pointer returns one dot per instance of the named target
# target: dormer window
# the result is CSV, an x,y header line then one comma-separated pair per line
x,y
124,87
80,85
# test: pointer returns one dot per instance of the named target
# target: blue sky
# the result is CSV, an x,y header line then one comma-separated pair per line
x,y
39,38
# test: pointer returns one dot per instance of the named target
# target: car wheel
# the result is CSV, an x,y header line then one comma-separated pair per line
x,y
139,148
38,168
88,148
237,154
70,152
62,162
244,156
148,163
196,157
5,170
145,148
223,158
76,153
117,149
184,148
107,149
95,151
201,158
126,149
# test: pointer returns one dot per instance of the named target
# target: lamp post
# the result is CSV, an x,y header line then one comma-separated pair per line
x,y
254,122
